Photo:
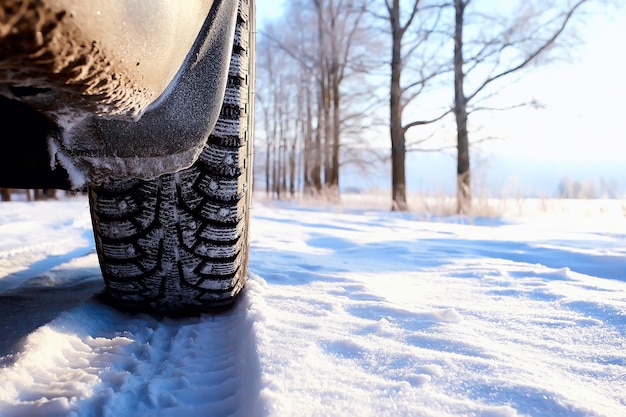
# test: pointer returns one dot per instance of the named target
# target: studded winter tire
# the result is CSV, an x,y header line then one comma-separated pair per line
x,y
179,243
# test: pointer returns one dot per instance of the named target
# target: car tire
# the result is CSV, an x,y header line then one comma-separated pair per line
x,y
179,243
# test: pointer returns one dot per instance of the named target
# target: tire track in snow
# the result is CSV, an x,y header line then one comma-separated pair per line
x,y
62,353
41,257
96,361
205,365
38,295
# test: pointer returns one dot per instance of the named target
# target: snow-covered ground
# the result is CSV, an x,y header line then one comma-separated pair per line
x,y
349,311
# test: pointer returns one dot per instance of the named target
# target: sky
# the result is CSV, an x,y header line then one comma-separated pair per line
x,y
349,311
582,98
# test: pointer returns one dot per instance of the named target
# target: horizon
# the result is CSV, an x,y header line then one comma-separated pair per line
x,y
496,176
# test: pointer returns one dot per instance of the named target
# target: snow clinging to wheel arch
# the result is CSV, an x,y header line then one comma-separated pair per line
x,y
92,60
169,136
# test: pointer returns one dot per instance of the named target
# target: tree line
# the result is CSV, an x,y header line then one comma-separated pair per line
x,y
328,71
30,194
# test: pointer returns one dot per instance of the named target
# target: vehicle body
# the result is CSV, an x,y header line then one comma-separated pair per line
x,y
137,101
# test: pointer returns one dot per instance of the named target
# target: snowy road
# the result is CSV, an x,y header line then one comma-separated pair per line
x,y
347,312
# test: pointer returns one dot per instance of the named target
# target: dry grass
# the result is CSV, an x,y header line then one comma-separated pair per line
x,y
443,206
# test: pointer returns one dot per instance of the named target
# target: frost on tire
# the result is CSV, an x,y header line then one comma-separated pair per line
x,y
179,243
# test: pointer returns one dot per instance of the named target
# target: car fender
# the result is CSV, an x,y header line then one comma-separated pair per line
x,y
150,126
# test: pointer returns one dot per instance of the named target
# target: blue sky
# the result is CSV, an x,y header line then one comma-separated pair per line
x,y
267,10
583,97
583,118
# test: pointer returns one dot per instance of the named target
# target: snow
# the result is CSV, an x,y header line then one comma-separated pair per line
x,y
349,310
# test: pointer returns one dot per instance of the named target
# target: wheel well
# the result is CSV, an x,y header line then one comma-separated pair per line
x,y
24,158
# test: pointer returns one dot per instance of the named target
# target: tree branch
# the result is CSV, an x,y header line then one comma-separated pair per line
x,y
532,103
533,55
426,122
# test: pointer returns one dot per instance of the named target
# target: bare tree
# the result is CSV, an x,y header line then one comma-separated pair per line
x,y
287,65
494,48
319,41
276,104
339,22
397,131
401,95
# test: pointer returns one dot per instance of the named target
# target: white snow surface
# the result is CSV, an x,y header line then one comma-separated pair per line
x,y
348,311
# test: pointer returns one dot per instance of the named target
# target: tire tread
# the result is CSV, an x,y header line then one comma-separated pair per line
x,y
179,243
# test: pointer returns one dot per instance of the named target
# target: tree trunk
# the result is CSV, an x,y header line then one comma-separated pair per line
x,y
282,154
328,133
5,193
308,147
463,193
316,169
398,155
398,150
268,169
292,170
398,180
334,164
